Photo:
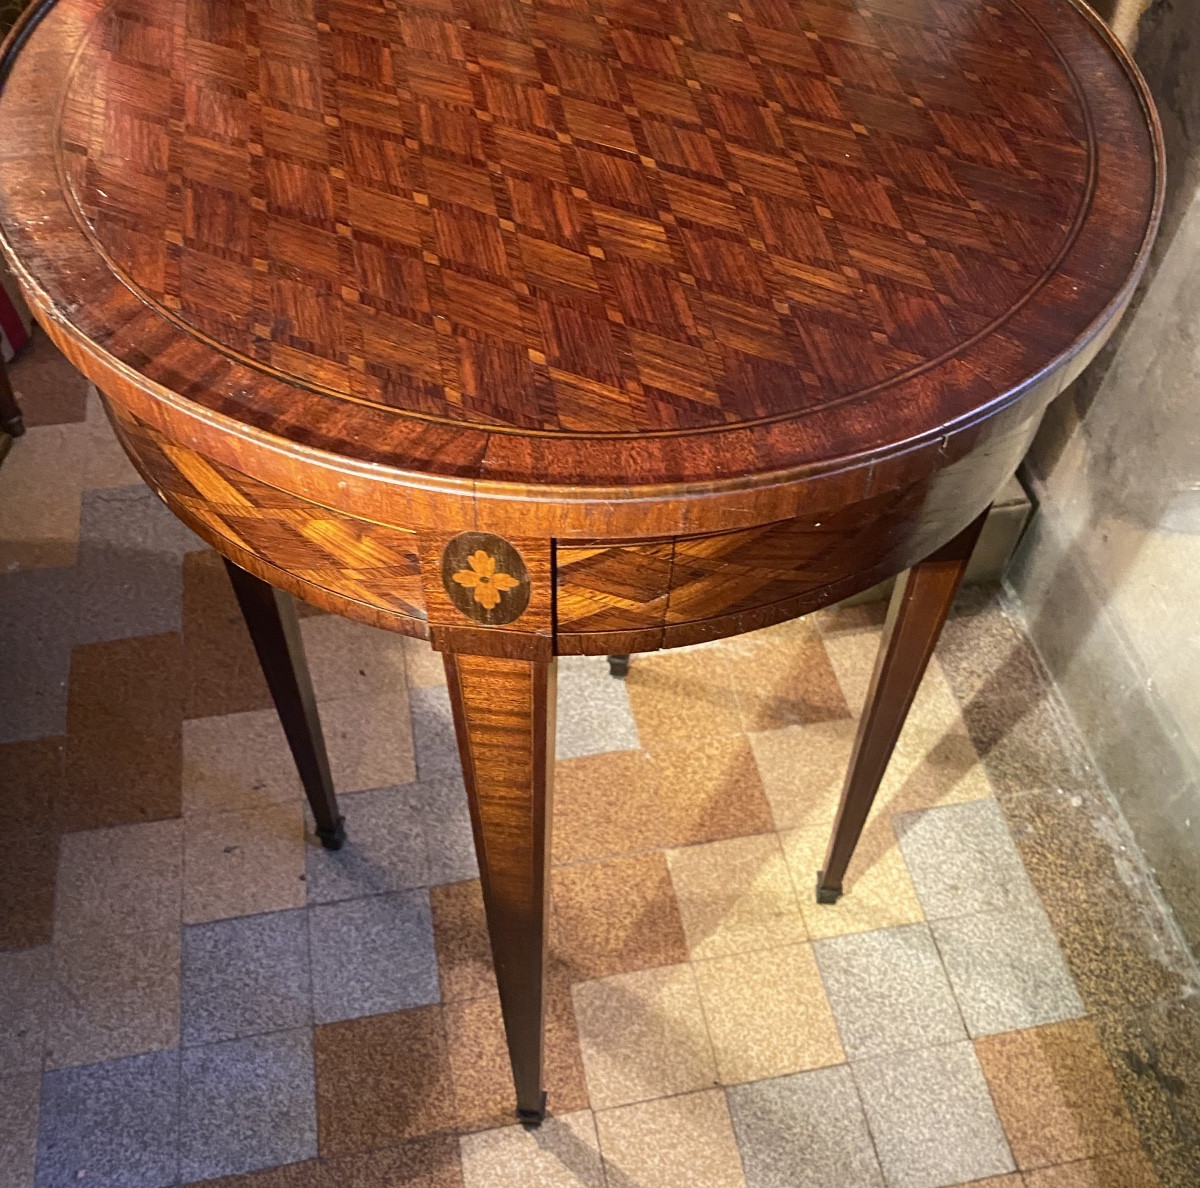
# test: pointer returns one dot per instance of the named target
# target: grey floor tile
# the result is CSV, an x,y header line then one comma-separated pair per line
x,y
112,1125
804,1131
244,976
594,714
1006,970
24,989
932,1117
433,734
384,850
246,1104
447,825
18,1129
962,859
888,991
129,567
372,955
37,632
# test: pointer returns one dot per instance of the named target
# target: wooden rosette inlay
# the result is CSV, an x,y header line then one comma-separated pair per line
x,y
485,578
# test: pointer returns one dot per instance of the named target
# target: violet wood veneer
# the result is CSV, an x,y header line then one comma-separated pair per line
x,y
590,326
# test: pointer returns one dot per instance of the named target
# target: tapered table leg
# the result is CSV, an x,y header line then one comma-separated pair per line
x,y
920,603
270,615
504,717
10,412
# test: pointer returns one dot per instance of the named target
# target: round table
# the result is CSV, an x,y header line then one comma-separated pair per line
x,y
541,327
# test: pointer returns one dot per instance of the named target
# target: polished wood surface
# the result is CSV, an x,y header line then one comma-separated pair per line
x,y
578,326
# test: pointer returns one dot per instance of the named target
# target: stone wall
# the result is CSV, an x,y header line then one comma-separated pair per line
x,y
1109,571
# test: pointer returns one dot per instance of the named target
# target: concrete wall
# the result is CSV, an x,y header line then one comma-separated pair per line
x,y
1109,570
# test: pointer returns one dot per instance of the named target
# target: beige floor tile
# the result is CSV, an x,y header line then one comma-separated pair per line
x,y
40,528
853,658
803,769
422,665
348,659
767,1014
783,679
681,696
735,895
18,1129
561,1153
113,996
878,892
123,879
369,739
237,864
105,463
237,761
677,1142
642,1035
932,765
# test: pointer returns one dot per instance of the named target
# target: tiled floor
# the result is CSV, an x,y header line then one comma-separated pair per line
x,y
190,990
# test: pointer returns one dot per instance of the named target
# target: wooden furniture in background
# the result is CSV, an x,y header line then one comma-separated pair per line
x,y
594,328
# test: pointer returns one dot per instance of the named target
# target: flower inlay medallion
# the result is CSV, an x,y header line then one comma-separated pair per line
x,y
486,578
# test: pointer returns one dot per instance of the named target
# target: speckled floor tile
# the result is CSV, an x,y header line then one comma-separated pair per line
x,y
1006,970
348,659
561,1153
804,1131
434,742
460,937
708,790
381,1080
369,739
123,746
877,890
594,714
32,775
643,1035
105,463
221,671
129,567
735,895
384,849
446,817
665,1143
1131,1169
767,1014
111,1125
244,976
962,859
38,609
113,996
27,878
47,388
237,761
18,1129
41,521
590,822
247,1103
372,955
25,978
1055,1093
423,667
124,879
888,991
615,916
784,679
483,1088
679,697
803,769
243,863
931,1117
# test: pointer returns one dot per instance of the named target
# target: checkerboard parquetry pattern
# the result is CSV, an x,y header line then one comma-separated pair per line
x,y
610,215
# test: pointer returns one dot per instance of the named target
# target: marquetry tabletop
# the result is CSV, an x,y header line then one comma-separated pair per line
x,y
534,327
